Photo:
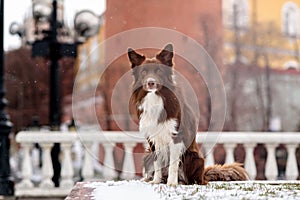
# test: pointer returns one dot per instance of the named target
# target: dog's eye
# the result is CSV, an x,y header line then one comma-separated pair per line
x,y
143,72
159,71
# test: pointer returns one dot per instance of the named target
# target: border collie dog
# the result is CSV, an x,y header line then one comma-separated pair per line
x,y
170,126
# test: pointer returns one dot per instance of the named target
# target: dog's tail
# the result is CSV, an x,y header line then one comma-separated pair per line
x,y
226,172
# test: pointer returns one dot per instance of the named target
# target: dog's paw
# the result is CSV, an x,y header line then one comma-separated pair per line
x,y
157,181
172,184
172,181
146,179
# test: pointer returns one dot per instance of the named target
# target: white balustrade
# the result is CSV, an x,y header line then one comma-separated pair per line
x,y
249,160
47,168
291,164
271,165
46,187
128,166
109,171
87,168
129,140
26,167
67,170
229,148
209,157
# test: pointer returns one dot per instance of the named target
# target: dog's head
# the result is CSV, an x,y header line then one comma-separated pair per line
x,y
152,73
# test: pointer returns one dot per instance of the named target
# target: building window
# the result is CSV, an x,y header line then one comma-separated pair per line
x,y
291,65
239,13
290,19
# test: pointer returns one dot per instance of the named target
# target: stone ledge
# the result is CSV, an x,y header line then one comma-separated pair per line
x,y
42,192
215,190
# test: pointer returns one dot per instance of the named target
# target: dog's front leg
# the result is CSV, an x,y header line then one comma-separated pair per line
x,y
157,171
176,151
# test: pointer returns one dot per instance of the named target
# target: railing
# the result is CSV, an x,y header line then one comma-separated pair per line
x,y
129,140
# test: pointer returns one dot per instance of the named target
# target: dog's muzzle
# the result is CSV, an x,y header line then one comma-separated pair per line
x,y
150,85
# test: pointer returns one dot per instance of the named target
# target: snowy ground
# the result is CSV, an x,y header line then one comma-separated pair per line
x,y
137,190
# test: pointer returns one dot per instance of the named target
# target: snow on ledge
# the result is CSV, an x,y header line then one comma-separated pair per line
x,y
136,190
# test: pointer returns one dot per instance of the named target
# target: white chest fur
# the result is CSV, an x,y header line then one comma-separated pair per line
x,y
159,133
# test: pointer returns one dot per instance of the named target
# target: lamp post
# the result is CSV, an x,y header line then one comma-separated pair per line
x,y
6,185
51,48
47,44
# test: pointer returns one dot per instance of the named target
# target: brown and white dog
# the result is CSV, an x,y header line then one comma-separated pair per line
x,y
170,125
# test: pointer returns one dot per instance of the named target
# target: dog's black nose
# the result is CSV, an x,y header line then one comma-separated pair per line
x,y
151,84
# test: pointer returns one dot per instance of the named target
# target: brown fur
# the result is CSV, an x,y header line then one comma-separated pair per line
x,y
227,172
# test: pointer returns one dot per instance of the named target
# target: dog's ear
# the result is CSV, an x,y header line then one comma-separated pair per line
x,y
166,55
135,58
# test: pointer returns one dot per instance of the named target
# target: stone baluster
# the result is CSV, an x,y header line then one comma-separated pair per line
x,y
291,165
67,170
229,148
47,170
271,164
87,168
26,167
109,171
128,166
250,161
209,157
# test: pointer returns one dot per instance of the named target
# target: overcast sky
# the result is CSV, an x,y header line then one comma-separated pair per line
x,y
15,10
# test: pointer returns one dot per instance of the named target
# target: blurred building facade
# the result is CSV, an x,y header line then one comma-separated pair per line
x,y
261,55
262,32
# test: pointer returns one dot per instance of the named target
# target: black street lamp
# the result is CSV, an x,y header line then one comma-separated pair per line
x,y
86,24
51,48
6,185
